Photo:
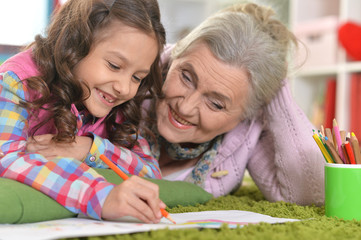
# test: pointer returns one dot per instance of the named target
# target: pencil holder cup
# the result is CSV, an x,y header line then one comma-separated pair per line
x,y
343,191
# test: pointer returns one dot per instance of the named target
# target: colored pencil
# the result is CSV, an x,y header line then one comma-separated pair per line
x,y
326,155
333,151
328,133
343,136
349,152
337,135
323,130
355,148
125,177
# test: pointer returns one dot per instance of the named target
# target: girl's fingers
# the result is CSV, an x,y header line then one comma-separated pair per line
x,y
133,198
149,192
142,211
162,204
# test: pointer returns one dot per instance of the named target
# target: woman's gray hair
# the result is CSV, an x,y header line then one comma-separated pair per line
x,y
246,36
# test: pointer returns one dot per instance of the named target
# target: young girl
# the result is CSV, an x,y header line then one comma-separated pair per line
x,y
76,92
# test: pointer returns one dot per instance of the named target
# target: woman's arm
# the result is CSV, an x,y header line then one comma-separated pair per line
x,y
287,164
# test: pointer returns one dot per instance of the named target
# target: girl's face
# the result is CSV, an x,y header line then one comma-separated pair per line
x,y
204,98
118,61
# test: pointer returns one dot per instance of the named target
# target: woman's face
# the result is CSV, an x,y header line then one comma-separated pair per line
x,y
204,98
115,66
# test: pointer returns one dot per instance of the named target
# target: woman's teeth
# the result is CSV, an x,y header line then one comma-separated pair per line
x,y
179,119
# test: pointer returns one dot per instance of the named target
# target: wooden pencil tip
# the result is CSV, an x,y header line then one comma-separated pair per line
x,y
171,219
334,122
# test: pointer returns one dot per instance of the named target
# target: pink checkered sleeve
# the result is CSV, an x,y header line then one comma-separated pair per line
x,y
136,161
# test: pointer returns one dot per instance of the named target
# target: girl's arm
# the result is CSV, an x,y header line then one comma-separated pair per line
x,y
71,183
68,181
287,164
136,161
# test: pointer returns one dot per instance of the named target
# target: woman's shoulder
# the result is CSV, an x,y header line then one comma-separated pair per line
x,y
245,133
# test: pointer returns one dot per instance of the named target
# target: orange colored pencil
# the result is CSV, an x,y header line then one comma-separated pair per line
x,y
125,177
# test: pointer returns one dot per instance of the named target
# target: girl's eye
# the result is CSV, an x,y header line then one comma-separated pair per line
x,y
113,66
137,79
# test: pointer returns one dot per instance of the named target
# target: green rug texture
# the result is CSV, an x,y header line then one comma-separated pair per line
x,y
248,198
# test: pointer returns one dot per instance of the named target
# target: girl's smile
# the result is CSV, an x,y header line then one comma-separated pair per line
x,y
107,99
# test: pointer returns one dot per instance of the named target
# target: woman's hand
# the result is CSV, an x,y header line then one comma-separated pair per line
x,y
134,197
44,145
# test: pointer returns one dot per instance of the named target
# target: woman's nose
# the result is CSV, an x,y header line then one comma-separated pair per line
x,y
188,104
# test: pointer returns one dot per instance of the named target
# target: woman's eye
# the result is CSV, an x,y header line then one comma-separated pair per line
x,y
217,105
113,66
185,77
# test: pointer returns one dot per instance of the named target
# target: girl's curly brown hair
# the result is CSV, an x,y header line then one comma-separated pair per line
x,y
68,40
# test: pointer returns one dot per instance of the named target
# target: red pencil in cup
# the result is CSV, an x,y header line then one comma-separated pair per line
x,y
125,177
349,152
356,148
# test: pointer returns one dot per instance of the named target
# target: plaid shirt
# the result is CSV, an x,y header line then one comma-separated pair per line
x,y
73,184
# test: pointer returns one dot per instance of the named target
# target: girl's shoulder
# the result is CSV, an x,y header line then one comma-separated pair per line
x,y
21,64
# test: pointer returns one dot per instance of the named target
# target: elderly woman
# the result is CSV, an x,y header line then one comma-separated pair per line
x,y
226,107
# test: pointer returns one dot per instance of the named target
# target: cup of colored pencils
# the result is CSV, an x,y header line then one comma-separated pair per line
x,y
338,146
341,151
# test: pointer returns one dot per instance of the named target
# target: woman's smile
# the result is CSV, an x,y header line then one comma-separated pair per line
x,y
178,121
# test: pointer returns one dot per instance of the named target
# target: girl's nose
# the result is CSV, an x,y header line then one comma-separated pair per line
x,y
123,87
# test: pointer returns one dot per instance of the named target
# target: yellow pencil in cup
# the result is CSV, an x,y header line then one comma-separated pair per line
x,y
325,153
125,177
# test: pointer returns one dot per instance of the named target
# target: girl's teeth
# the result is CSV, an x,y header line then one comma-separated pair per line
x,y
109,101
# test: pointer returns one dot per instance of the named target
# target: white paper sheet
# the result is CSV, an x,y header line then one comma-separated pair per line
x,y
81,227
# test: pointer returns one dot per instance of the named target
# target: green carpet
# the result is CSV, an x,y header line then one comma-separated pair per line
x,y
249,198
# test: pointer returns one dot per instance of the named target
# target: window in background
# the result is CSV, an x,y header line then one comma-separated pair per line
x,y
21,20
181,16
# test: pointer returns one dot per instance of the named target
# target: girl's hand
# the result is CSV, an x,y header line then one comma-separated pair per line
x,y
134,197
44,145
